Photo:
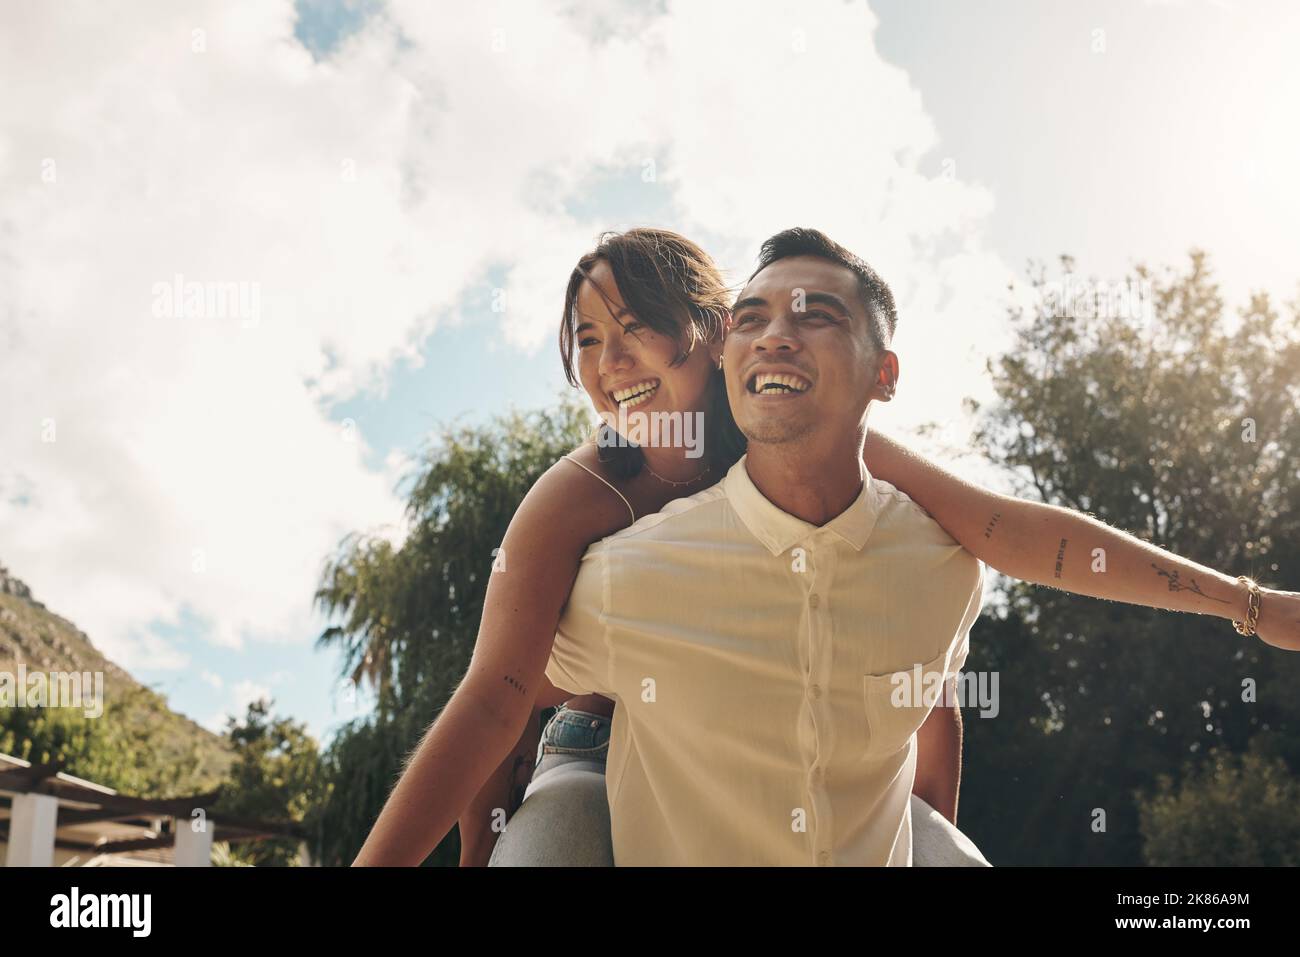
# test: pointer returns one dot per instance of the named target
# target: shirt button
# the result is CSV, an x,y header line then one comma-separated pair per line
x,y
817,773
823,858
814,600
815,691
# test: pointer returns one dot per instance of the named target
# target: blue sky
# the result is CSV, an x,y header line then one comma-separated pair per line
x,y
948,147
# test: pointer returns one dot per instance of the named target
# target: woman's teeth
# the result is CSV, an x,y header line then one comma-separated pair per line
x,y
636,394
779,382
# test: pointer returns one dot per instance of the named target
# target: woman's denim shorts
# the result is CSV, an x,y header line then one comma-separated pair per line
x,y
572,736
564,818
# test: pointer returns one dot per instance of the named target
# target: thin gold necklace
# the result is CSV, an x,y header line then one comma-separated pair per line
x,y
691,481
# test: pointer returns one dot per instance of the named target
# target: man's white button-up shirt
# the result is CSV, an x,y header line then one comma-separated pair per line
x,y
765,673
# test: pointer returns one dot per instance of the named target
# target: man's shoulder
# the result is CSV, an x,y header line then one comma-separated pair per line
x,y
900,516
901,522
694,512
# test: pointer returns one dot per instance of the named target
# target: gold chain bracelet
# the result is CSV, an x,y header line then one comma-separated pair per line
x,y
1247,627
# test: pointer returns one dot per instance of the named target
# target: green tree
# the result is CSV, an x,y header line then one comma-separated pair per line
x,y
1229,811
1180,426
408,613
118,749
277,776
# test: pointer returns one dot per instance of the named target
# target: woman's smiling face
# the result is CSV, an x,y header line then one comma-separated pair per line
x,y
624,364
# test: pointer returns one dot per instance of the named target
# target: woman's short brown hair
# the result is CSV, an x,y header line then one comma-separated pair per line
x,y
670,284
673,287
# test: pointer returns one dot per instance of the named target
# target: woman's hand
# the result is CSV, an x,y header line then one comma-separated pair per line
x,y
1279,619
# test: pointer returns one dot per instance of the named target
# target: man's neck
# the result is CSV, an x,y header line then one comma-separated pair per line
x,y
812,484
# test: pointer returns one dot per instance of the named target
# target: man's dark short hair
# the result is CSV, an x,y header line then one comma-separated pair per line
x,y
873,291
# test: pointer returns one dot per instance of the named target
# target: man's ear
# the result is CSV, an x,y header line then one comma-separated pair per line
x,y
882,390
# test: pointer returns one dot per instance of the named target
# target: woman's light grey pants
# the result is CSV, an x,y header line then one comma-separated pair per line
x,y
564,822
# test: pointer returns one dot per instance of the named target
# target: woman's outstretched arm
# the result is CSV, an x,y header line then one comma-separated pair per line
x,y
1049,545
486,715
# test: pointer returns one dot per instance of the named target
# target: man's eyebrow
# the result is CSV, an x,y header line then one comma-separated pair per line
x,y
827,299
812,298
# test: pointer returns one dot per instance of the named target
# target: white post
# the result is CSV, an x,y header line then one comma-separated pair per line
x,y
32,823
193,843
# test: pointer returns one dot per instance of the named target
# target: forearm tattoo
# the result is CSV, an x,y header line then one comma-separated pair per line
x,y
988,530
516,685
1060,557
1176,583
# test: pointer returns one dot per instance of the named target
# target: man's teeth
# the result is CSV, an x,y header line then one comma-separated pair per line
x,y
636,394
780,382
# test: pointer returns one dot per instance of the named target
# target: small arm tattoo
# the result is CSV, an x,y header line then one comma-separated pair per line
x,y
516,685
988,530
1060,557
1176,583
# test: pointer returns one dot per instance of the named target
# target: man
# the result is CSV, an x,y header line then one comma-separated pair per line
x,y
760,638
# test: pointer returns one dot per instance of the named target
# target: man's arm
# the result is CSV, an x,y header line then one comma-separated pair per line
x,y
499,798
938,755
504,789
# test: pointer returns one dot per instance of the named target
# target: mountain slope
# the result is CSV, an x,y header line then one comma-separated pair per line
x,y
184,755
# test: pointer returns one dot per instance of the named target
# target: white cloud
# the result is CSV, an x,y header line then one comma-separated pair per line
x,y
247,692
192,468
243,694
804,123
368,195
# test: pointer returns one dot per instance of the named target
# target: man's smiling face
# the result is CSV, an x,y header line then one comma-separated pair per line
x,y
800,357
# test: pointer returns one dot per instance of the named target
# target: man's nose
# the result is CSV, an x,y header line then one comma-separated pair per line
x,y
780,335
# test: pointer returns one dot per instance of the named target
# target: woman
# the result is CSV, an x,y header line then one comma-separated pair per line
x,y
642,331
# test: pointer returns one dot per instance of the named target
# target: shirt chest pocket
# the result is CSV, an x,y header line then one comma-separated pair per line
x,y
898,702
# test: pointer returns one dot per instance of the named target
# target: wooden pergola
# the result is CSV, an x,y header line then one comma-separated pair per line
x,y
54,817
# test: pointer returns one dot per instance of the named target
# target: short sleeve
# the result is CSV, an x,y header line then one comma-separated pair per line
x,y
578,662
560,676
961,641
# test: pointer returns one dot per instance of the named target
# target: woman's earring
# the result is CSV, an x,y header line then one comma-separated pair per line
x,y
719,360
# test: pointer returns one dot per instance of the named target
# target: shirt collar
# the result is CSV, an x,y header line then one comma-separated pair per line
x,y
779,531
